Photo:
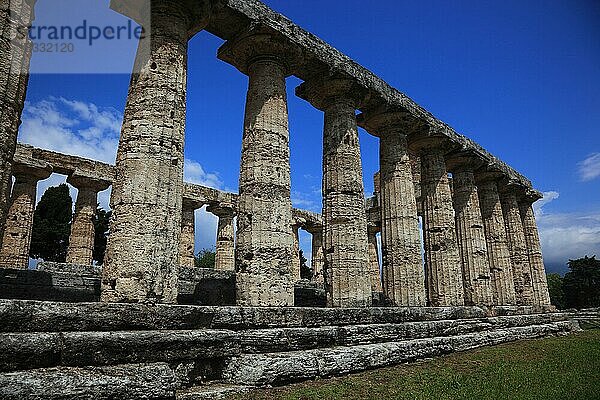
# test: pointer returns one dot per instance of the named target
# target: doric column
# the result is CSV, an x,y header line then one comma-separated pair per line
x,y
19,221
187,241
15,53
225,251
376,285
81,241
443,265
347,277
317,258
532,240
503,289
402,264
265,242
296,258
141,261
517,245
469,230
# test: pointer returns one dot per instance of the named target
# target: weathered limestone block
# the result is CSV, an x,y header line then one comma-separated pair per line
x,y
296,258
376,286
19,222
536,261
142,252
347,277
503,289
402,264
81,241
443,265
470,231
225,249
187,242
15,54
518,247
265,243
317,258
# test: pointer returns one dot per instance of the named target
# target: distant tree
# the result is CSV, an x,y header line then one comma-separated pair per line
x,y
306,272
205,259
555,288
52,225
581,285
101,227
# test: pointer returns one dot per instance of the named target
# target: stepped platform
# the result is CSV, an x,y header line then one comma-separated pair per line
x,y
60,350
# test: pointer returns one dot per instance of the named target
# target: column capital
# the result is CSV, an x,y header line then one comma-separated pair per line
x,y
260,43
222,210
31,170
509,187
193,204
459,161
322,92
83,181
428,144
197,11
383,121
530,196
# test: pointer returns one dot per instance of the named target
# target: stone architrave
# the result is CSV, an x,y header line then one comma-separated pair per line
x,y
15,55
346,248
442,257
517,245
225,248
265,242
376,286
470,230
81,241
141,263
187,241
19,223
503,288
402,263
532,240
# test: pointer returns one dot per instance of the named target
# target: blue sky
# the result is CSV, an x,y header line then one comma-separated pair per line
x,y
520,78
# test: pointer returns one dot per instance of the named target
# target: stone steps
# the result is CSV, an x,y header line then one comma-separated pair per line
x,y
210,392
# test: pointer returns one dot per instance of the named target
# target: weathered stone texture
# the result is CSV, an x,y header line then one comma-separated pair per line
x,y
15,54
532,241
187,241
317,258
443,265
471,239
19,222
376,285
518,247
225,247
81,241
265,243
142,253
296,257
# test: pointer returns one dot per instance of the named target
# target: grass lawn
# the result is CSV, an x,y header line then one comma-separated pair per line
x,y
555,369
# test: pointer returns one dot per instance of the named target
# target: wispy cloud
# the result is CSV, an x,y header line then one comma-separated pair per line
x,y
305,201
193,172
589,168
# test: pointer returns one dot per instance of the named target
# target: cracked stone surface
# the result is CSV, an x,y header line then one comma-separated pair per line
x,y
503,289
225,247
443,265
317,259
81,241
19,221
15,55
376,285
471,238
142,252
517,246
187,241
536,261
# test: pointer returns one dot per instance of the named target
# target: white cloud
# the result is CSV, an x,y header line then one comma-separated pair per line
x,y
194,173
304,201
548,197
589,168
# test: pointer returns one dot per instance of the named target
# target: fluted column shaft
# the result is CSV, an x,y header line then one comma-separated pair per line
x,y
142,252
347,277
225,251
296,260
518,248
187,241
471,240
81,241
316,262
534,250
19,223
376,285
503,289
15,54
402,264
265,243
443,265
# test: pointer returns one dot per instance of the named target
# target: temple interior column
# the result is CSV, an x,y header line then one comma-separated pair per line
x,y
187,241
346,248
225,249
443,265
470,231
296,259
265,243
517,245
376,285
142,262
317,258
15,56
81,241
534,249
19,222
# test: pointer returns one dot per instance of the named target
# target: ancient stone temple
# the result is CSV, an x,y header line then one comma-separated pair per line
x,y
475,278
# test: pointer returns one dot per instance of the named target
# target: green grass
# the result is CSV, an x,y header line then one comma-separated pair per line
x,y
560,368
